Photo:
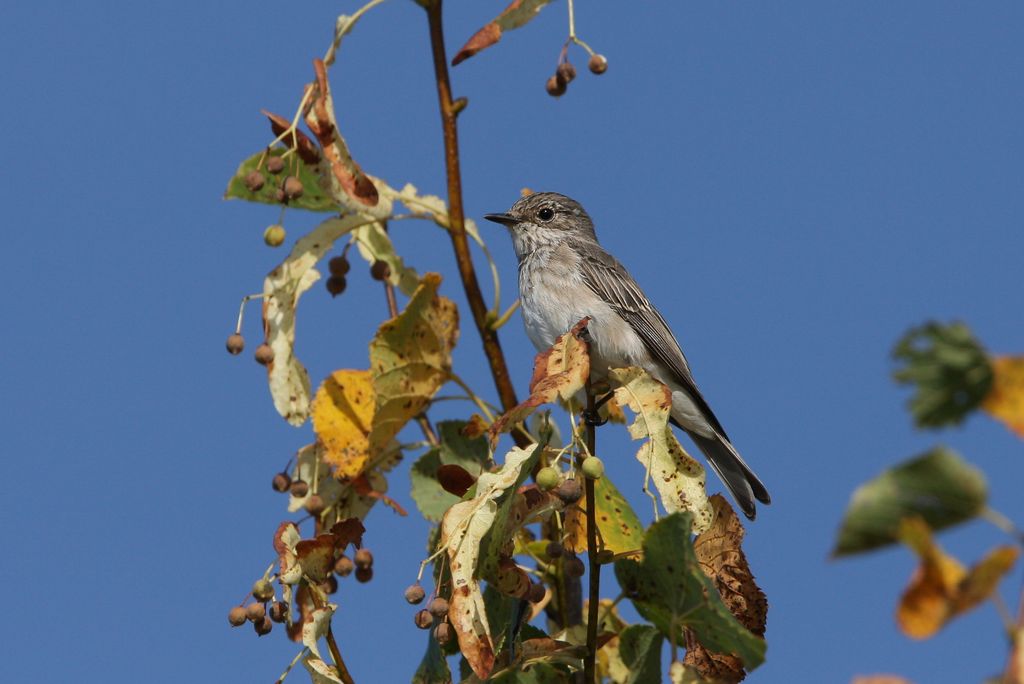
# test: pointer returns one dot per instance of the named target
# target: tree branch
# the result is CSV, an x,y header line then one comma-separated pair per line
x,y
457,226
594,567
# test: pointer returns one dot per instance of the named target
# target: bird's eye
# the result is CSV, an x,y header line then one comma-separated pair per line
x,y
546,214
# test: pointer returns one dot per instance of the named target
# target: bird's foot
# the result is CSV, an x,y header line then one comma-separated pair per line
x,y
593,418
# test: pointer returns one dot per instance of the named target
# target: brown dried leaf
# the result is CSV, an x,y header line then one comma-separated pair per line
x,y
285,540
316,627
322,122
316,556
349,531
303,146
518,13
455,479
721,557
558,373
941,588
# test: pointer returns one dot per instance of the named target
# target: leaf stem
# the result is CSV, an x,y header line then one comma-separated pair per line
x,y
1003,523
456,215
594,574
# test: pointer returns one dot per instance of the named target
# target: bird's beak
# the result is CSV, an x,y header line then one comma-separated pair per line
x,y
507,220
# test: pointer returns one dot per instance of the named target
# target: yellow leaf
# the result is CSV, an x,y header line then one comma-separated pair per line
x,y
1005,401
679,479
941,588
558,373
343,413
411,359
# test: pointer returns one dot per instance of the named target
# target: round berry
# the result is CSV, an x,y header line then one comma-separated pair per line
x,y
565,73
278,611
236,616
275,164
262,590
593,467
537,592
263,626
255,612
598,64
438,607
555,87
315,504
292,187
264,355
279,195
253,180
423,619
364,559
299,488
330,585
274,235
281,482
343,566
235,344
414,594
569,491
339,265
574,567
364,575
380,270
547,478
336,285
554,550
443,633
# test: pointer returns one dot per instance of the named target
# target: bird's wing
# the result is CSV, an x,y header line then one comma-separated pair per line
x,y
610,281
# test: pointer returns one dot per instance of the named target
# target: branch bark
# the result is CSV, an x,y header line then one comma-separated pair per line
x,y
594,567
457,225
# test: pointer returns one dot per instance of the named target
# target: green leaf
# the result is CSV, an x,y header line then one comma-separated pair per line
x,y
640,650
433,668
455,449
617,523
495,540
939,486
949,368
669,588
313,196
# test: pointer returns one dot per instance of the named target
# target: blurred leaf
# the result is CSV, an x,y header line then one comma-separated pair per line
x,y
941,588
313,197
348,500
351,187
316,556
517,14
410,357
721,556
288,379
320,672
619,529
1005,400
879,679
558,373
462,529
286,539
433,668
315,628
939,486
681,674
669,588
640,650
949,368
455,449
343,416
679,479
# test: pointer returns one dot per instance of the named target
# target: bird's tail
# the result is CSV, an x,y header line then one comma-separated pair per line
x,y
737,476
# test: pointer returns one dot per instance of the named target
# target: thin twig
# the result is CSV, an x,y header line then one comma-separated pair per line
x,y
590,660
456,214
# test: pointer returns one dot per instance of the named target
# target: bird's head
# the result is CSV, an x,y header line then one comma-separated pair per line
x,y
544,219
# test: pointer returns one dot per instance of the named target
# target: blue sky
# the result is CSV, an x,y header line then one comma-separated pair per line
x,y
794,184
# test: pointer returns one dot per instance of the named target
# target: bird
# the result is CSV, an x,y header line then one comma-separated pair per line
x,y
565,275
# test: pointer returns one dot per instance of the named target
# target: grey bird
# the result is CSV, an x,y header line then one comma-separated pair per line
x,y
564,275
